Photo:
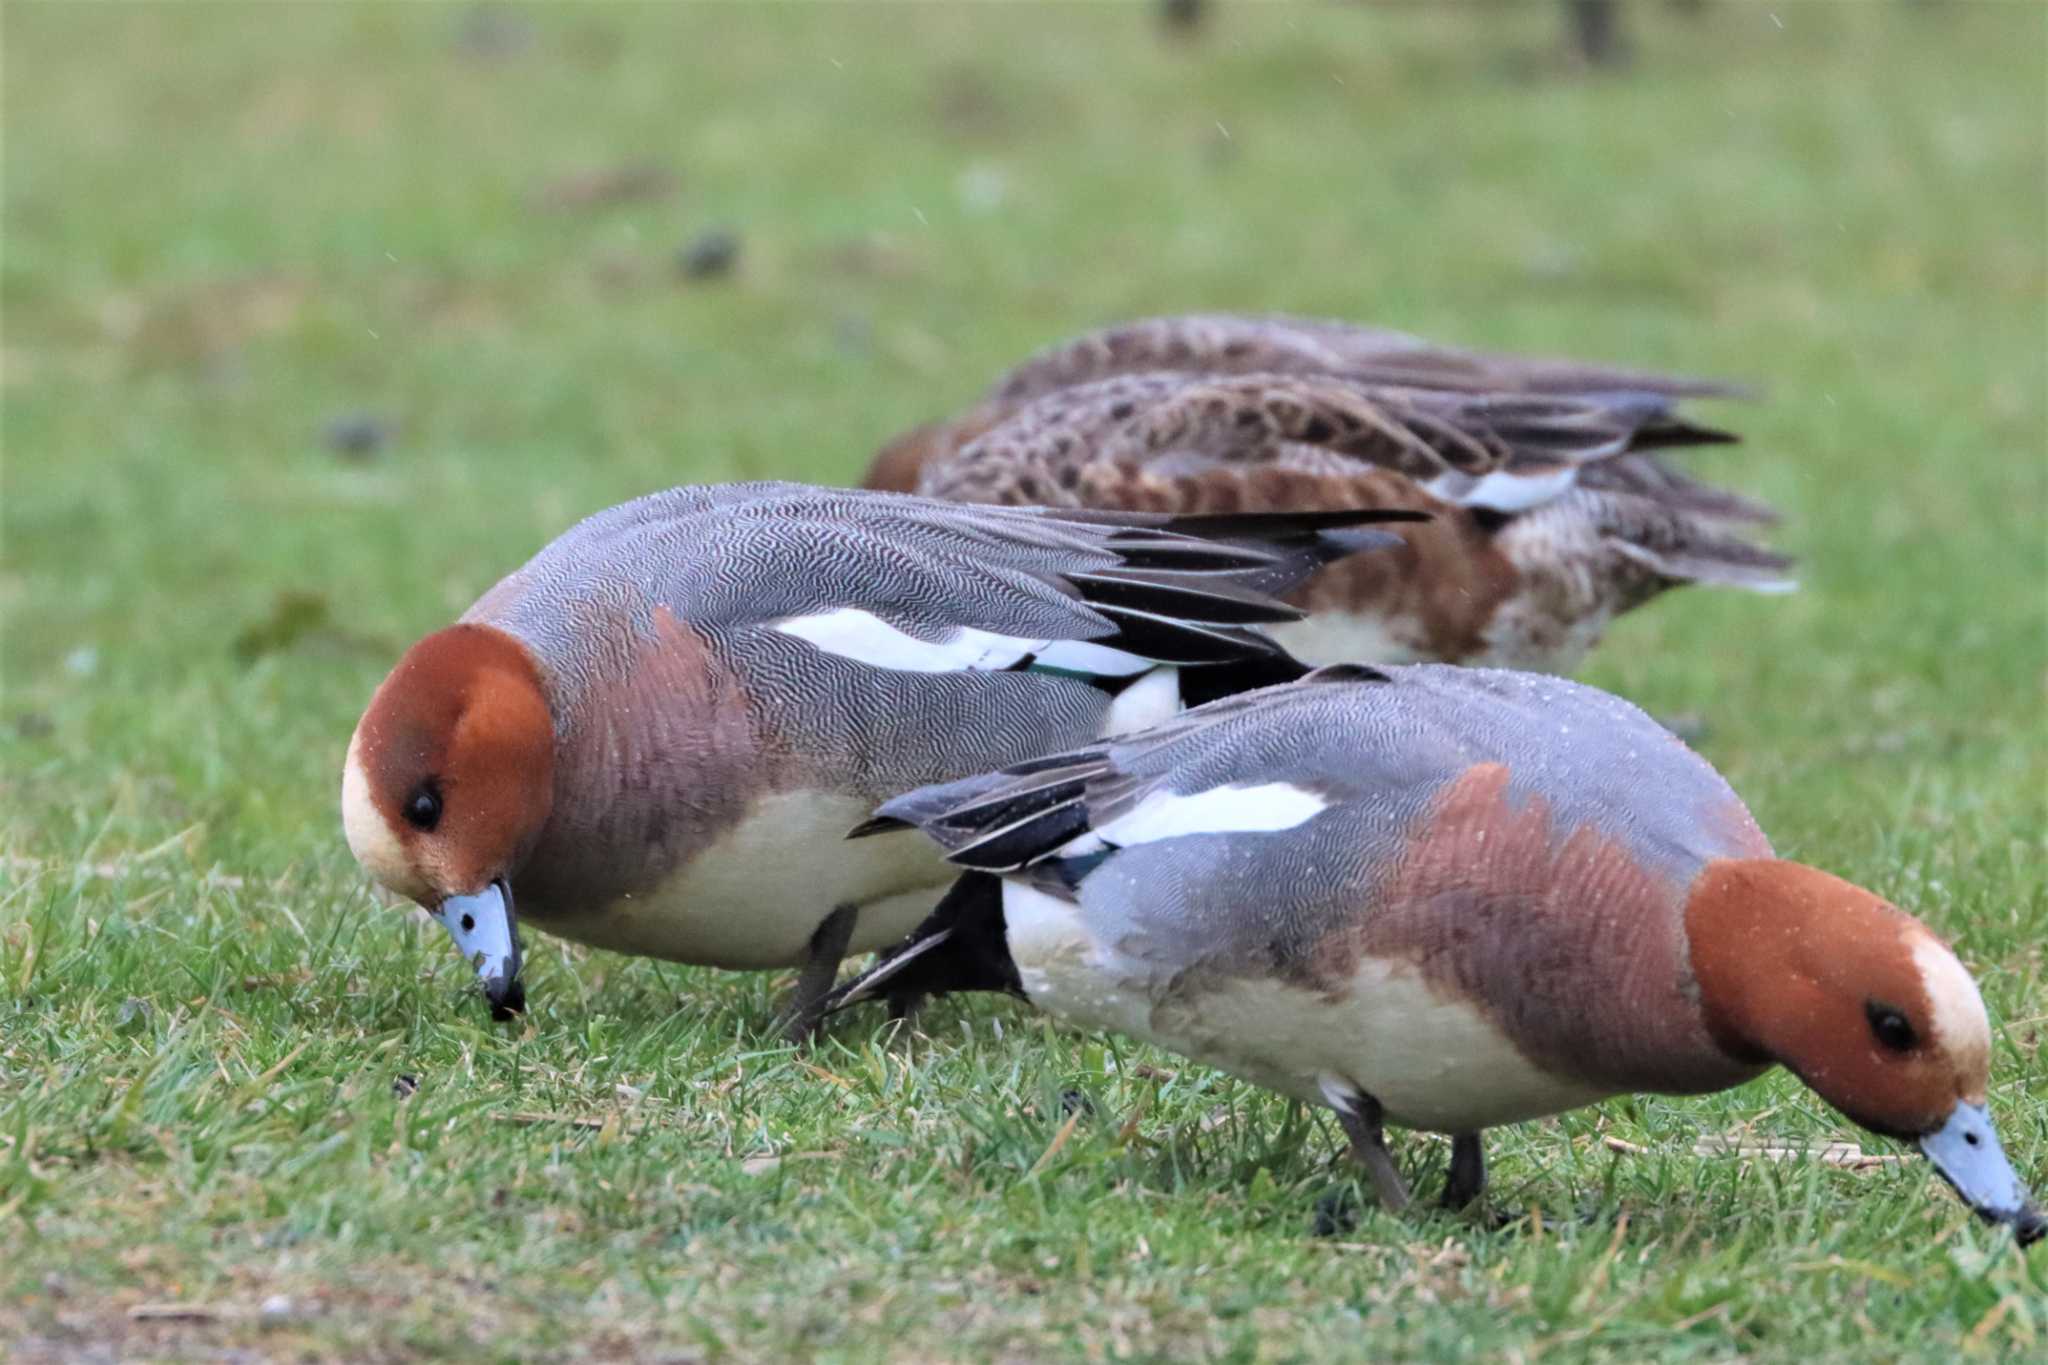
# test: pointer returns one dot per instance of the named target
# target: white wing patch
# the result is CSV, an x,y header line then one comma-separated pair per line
x,y
1261,809
1079,656
866,638
1503,491
1146,702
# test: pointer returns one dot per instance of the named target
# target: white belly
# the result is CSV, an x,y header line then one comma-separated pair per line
x,y
1342,637
1433,1062
753,900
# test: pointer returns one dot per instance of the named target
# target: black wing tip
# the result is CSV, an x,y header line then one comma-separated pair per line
x,y
1673,435
1283,526
878,824
1018,844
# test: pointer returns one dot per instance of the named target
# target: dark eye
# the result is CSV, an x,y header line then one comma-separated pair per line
x,y
1890,1026
423,807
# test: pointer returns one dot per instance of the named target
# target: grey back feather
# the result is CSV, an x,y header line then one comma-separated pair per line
x,y
1378,746
733,562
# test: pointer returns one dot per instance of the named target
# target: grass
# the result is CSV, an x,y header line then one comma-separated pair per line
x,y
246,1107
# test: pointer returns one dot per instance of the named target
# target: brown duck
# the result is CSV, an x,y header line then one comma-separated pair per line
x,y
1552,511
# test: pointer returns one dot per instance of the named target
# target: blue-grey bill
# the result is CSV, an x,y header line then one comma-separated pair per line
x,y
487,935
1966,1152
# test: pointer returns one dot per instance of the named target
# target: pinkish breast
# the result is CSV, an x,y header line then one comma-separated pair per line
x,y
1563,936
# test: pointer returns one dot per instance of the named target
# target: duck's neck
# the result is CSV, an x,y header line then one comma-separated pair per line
x,y
655,766
1746,921
1572,940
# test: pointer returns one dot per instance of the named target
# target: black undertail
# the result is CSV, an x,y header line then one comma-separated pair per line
x,y
1199,686
961,946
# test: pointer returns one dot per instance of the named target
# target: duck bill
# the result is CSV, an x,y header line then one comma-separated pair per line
x,y
486,933
1966,1152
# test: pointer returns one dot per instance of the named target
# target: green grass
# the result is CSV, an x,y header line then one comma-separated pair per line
x,y
227,226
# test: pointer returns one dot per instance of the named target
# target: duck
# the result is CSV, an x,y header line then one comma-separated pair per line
x,y
650,737
1446,899
1552,508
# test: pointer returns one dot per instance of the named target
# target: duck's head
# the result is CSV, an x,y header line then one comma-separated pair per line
x,y
448,783
1866,1005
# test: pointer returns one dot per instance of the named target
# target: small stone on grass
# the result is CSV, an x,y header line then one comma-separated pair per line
x,y
709,255
357,435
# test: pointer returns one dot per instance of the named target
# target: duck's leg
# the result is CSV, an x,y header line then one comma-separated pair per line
x,y
1467,1180
821,968
1362,1120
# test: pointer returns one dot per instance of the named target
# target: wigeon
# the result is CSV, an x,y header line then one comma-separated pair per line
x,y
1551,513
652,737
1447,899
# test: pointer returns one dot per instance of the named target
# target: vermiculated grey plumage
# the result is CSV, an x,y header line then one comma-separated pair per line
x,y
734,565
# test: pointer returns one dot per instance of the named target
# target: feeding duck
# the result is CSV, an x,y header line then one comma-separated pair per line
x,y
651,736
1552,510
1446,899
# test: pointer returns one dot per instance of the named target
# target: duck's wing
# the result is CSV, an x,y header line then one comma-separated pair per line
x,y
1235,838
1504,451
1658,537
1268,835
1222,344
920,586
1052,823
1225,343
1054,819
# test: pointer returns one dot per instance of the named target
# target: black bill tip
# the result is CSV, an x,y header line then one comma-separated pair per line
x,y
2029,1226
1966,1153
507,997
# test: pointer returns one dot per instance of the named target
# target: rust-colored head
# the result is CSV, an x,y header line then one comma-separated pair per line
x,y
1866,1005
1855,995
450,776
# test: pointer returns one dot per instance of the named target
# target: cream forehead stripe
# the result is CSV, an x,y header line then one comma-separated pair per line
x,y
866,638
369,837
1960,1023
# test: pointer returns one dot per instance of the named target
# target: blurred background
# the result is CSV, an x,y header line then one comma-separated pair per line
x,y
317,318
320,317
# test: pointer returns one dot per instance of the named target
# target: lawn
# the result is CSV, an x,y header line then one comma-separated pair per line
x,y
320,318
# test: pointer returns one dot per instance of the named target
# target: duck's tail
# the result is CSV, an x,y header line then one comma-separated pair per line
x,y
1702,556
1689,533
1647,476
961,946
1683,530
